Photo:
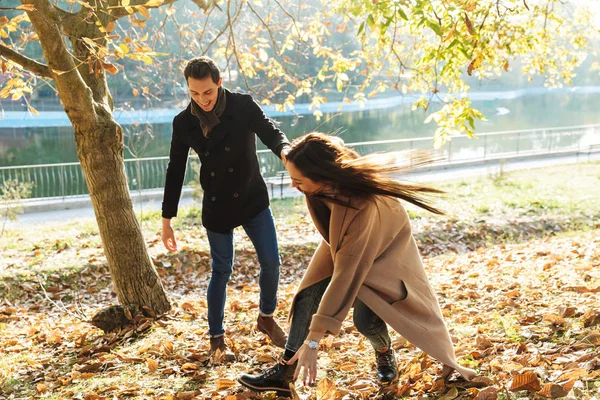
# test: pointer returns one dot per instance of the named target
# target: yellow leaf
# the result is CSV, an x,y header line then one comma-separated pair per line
x,y
124,47
326,389
33,110
17,94
125,3
144,11
145,90
225,383
129,10
147,60
154,3
41,387
135,92
26,7
152,365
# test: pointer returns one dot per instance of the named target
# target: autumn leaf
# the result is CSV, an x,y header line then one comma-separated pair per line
x,y
553,391
469,25
490,393
593,339
26,7
591,317
450,395
527,380
222,383
32,110
326,389
152,365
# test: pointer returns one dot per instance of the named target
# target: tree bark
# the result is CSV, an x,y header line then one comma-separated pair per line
x,y
134,277
100,146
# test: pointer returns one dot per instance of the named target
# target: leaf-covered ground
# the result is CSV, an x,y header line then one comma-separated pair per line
x,y
521,301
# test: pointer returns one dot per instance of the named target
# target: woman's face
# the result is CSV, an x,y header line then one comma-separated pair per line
x,y
302,183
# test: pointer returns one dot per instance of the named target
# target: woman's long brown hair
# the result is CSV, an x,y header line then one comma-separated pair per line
x,y
325,159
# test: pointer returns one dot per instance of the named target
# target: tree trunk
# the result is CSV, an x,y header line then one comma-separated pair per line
x,y
88,104
101,156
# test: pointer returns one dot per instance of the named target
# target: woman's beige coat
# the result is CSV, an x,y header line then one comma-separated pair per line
x,y
369,253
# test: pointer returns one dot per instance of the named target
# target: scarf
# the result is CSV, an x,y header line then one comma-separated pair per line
x,y
208,120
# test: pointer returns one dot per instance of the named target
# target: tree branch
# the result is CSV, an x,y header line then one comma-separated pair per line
x,y
25,62
120,12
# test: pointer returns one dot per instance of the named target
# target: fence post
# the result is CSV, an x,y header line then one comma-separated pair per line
x,y
62,181
485,147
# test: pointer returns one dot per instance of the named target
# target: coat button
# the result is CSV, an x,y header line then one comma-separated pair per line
x,y
227,149
212,174
207,153
235,194
230,169
213,198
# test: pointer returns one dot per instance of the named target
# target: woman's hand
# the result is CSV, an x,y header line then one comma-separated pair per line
x,y
307,361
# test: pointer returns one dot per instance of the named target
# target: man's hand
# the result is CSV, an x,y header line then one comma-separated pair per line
x,y
168,236
284,152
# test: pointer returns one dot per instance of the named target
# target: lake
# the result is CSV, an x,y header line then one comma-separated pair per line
x,y
388,119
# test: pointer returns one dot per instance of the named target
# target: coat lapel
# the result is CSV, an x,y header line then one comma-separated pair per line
x,y
317,222
341,217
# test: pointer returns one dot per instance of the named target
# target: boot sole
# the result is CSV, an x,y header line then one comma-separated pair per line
x,y
279,391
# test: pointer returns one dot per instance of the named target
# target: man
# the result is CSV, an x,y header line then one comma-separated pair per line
x,y
220,126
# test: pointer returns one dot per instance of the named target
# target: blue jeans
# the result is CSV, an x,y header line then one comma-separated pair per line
x,y
261,231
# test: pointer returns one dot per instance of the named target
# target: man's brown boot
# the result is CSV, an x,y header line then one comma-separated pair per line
x,y
269,327
218,343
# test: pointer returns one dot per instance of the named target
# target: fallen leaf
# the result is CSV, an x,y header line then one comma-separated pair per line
x,y
490,393
527,380
152,365
224,383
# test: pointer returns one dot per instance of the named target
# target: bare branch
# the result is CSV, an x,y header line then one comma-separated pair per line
x,y
25,62
286,12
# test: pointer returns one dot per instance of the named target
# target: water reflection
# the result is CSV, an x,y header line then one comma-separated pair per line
x,y
23,146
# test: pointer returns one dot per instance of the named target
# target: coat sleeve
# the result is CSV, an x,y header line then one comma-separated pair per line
x,y
178,156
353,260
265,129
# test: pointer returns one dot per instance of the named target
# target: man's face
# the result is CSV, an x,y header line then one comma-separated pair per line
x,y
204,92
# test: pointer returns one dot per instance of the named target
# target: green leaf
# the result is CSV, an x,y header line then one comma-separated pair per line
x,y
434,27
361,28
402,14
371,22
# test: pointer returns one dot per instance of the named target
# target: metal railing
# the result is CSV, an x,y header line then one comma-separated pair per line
x,y
66,179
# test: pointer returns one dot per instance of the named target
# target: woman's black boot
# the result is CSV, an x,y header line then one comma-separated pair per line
x,y
276,379
386,366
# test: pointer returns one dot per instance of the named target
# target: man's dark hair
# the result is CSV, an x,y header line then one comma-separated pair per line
x,y
202,67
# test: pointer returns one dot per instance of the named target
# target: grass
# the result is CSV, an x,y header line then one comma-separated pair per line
x,y
507,210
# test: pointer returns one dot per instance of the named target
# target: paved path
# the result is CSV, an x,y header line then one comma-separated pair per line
x,y
449,173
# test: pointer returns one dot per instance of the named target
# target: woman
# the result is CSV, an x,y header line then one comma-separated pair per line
x,y
368,260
